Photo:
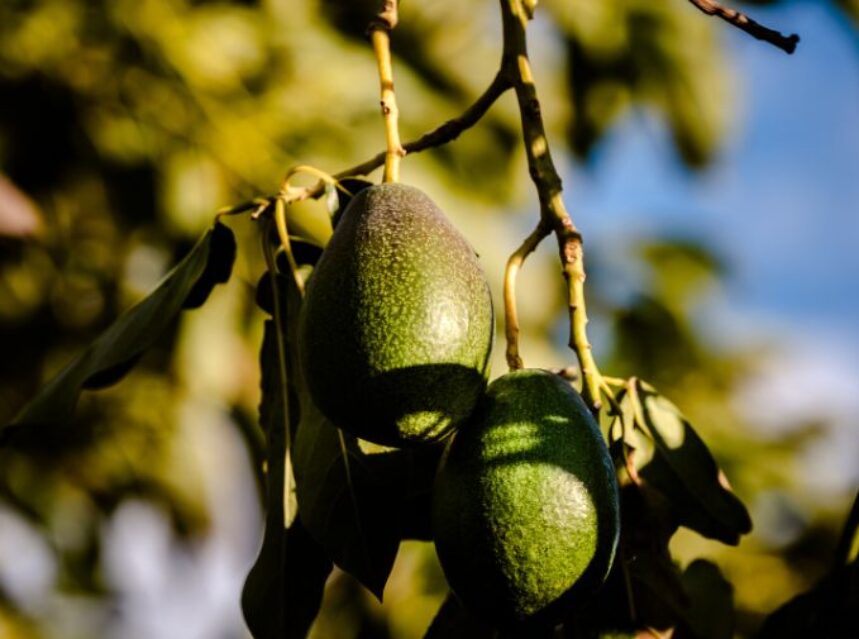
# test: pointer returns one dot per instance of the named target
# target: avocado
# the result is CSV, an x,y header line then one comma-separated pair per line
x,y
525,511
396,329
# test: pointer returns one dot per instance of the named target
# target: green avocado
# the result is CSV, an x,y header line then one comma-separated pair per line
x,y
396,329
525,511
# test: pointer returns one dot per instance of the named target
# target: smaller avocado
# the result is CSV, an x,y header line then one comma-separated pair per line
x,y
396,329
525,510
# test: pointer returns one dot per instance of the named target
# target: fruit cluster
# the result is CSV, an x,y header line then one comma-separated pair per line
x,y
395,336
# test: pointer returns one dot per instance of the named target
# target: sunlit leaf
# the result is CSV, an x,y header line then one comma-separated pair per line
x,y
309,221
116,351
683,469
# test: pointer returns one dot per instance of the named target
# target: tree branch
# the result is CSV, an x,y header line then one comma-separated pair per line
x,y
553,213
743,22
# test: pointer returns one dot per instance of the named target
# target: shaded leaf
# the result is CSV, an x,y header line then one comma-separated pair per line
x,y
683,469
283,590
453,621
353,185
282,595
116,351
643,592
347,498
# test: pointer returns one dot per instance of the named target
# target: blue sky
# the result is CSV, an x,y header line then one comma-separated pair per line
x,y
782,200
781,205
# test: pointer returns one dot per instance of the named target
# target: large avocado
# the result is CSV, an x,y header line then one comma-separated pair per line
x,y
397,326
525,507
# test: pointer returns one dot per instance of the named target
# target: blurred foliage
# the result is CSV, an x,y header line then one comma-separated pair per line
x,y
125,124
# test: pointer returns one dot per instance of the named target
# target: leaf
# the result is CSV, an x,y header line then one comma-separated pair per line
x,y
353,186
684,471
310,221
348,499
281,599
283,591
115,352
453,621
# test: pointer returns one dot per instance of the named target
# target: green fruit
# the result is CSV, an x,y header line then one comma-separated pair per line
x,y
525,506
396,329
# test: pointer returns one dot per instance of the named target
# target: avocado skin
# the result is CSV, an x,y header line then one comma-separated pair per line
x,y
525,509
397,325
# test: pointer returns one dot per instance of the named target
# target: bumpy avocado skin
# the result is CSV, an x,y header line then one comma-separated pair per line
x,y
397,325
525,506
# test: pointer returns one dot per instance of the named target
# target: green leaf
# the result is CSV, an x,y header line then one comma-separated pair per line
x,y
453,621
116,351
353,185
309,221
684,471
283,591
348,498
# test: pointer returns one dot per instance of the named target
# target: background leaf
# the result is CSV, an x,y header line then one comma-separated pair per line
x,y
116,351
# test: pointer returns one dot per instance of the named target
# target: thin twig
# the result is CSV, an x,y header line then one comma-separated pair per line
x,y
380,36
745,23
515,15
511,319
446,132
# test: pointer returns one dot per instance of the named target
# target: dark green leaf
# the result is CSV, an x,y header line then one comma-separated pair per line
x,y
283,590
453,621
353,186
114,353
684,471
348,498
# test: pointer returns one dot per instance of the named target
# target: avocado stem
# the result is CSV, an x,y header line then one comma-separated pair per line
x,y
511,319
515,15
380,36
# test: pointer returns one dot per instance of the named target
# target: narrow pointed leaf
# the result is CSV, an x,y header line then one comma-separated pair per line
x,y
283,591
115,352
